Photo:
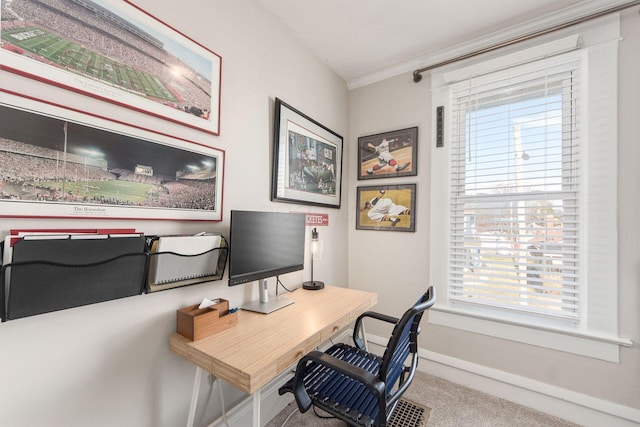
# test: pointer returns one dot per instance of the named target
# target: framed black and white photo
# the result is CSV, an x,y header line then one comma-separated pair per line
x,y
307,160
112,51
386,208
389,154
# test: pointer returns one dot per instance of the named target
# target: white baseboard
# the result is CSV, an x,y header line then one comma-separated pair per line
x,y
579,408
575,407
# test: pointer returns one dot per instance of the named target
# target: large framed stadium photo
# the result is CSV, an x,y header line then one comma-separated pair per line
x,y
112,51
389,154
67,168
307,160
386,208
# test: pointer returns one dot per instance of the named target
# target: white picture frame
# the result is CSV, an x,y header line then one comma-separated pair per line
x,y
112,171
149,67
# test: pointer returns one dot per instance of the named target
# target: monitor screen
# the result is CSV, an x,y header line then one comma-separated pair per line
x,y
264,244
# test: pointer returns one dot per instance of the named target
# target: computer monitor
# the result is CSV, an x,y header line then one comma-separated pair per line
x,y
262,245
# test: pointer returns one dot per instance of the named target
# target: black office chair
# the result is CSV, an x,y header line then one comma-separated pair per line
x,y
356,386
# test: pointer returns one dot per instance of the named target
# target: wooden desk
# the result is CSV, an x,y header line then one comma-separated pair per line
x,y
260,347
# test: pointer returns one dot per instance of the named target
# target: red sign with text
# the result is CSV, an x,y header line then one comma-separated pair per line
x,y
317,219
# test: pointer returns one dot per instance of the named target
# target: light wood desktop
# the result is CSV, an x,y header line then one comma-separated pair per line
x,y
260,347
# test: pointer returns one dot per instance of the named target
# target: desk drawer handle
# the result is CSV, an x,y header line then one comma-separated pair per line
x,y
299,354
336,328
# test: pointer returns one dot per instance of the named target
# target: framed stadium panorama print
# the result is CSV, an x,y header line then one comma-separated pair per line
x,y
67,168
113,51
307,160
389,154
386,208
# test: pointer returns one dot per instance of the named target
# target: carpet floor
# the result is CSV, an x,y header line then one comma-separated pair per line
x,y
447,405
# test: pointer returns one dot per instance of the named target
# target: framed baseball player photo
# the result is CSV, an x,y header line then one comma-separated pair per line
x,y
389,154
386,208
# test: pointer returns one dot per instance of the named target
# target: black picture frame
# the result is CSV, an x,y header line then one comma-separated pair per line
x,y
307,160
389,154
386,208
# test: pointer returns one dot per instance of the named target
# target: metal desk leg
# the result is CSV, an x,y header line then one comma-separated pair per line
x,y
256,409
194,396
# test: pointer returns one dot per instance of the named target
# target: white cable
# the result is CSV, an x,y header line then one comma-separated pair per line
x,y
289,417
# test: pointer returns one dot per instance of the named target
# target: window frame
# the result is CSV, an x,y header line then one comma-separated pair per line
x,y
525,78
596,334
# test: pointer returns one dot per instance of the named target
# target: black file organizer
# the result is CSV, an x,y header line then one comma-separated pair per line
x,y
173,258
36,287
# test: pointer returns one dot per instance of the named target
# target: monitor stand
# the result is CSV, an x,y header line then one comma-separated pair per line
x,y
266,305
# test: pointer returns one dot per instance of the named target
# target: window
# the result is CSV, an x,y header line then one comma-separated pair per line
x,y
515,190
523,224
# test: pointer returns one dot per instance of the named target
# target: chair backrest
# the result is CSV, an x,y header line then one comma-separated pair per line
x,y
403,342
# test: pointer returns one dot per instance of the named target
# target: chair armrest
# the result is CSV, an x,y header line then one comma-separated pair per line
x,y
360,375
357,340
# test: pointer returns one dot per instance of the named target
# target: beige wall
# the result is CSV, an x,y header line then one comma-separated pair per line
x,y
109,364
396,265
393,264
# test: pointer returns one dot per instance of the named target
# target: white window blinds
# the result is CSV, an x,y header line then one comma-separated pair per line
x,y
515,189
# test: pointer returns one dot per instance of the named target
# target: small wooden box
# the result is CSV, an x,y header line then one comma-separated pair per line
x,y
196,323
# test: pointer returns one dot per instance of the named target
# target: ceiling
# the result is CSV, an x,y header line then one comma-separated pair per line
x,y
357,38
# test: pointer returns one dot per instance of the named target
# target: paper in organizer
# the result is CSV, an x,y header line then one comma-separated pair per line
x,y
184,257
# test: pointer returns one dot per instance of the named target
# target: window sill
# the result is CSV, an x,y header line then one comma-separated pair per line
x,y
597,346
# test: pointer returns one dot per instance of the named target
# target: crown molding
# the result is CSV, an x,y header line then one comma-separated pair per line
x,y
550,20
